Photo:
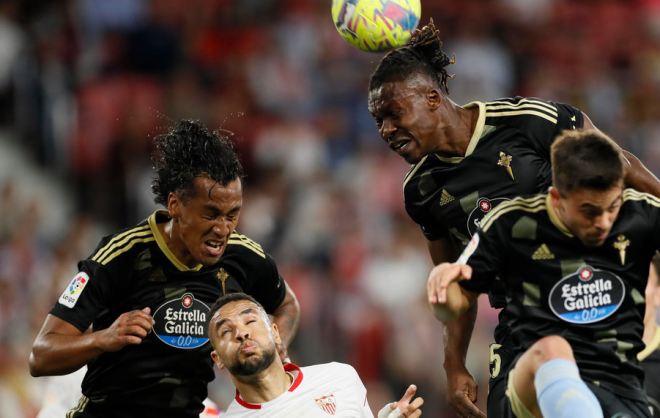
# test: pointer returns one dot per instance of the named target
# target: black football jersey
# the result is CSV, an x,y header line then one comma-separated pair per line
x,y
508,156
167,374
650,361
593,297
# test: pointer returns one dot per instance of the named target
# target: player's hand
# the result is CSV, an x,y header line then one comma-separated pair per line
x,y
440,278
462,393
283,353
130,328
405,407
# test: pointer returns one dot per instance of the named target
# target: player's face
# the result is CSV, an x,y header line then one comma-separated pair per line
x,y
243,339
204,221
589,214
407,116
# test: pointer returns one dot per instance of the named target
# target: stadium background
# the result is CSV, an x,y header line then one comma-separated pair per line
x,y
86,84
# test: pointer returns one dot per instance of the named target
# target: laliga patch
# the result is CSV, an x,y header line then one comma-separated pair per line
x,y
484,205
586,296
469,250
183,322
74,290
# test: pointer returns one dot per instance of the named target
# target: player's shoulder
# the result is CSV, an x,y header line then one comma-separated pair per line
x,y
332,369
123,244
419,179
511,211
633,197
244,247
521,111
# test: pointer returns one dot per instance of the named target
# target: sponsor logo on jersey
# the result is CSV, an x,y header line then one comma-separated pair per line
x,y
327,404
446,198
469,250
484,205
543,253
586,296
182,322
74,290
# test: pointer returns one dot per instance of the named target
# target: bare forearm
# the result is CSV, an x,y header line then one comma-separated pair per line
x,y
287,318
457,334
55,354
455,305
639,177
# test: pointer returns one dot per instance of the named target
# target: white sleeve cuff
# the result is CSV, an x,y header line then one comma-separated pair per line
x,y
387,412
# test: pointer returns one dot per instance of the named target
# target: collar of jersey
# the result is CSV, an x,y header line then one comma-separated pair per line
x,y
289,367
652,346
163,246
476,135
554,218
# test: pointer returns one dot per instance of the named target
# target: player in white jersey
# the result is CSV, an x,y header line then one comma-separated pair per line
x,y
244,341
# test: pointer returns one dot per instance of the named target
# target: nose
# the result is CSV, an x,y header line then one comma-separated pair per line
x,y
242,333
222,227
605,221
387,130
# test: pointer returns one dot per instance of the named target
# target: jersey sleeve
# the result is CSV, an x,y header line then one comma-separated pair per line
x,y
484,254
87,295
358,391
558,117
256,270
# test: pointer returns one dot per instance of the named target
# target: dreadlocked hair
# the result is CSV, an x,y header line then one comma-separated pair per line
x,y
190,150
422,53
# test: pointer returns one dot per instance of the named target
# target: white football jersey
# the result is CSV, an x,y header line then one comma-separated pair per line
x,y
320,391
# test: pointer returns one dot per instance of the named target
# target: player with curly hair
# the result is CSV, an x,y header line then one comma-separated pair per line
x,y
465,161
147,290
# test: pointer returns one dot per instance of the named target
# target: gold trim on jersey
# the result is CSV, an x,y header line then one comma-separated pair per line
x,y
523,107
632,194
82,404
554,218
238,239
412,172
478,128
163,245
532,205
450,160
120,240
652,346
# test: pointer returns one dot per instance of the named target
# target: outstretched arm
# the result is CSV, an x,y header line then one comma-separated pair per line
x,y
287,318
60,348
637,175
462,389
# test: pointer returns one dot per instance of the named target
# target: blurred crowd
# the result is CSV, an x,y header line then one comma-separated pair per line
x,y
85,85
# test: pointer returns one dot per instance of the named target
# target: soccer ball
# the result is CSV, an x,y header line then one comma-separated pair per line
x,y
376,25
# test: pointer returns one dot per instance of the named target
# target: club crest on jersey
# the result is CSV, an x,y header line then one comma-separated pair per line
x,y
327,404
586,296
182,322
484,205
72,292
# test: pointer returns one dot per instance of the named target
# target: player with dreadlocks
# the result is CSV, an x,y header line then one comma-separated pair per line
x,y
147,290
465,161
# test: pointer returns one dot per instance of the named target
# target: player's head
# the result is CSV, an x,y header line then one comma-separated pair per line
x,y
587,177
652,292
405,93
243,338
199,179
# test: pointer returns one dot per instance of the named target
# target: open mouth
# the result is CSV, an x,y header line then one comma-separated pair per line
x,y
399,145
214,247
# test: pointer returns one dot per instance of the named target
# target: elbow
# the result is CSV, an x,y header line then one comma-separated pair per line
x,y
36,369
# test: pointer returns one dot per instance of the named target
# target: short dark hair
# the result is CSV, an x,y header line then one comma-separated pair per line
x,y
421,54
228,298
585,159
190,150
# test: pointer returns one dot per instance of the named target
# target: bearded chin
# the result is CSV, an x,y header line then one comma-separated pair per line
x,y
254,364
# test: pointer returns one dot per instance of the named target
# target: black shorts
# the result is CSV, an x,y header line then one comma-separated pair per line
x,y
501,361
619,407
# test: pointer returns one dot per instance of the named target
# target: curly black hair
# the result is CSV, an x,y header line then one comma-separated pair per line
x,y
190,150
422,53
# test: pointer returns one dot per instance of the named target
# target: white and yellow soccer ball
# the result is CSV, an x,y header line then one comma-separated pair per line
x,y
376,25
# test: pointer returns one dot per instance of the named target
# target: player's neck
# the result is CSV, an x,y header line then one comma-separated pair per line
x,y
168,231
264,387
456,129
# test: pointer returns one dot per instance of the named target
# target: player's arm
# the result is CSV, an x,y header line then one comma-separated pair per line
x,y
447,299
287,318
461,386
637,175
61,348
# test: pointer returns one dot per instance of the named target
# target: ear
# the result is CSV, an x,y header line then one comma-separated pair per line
x,y
433,98
217,360
555,197
173,205
276,334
